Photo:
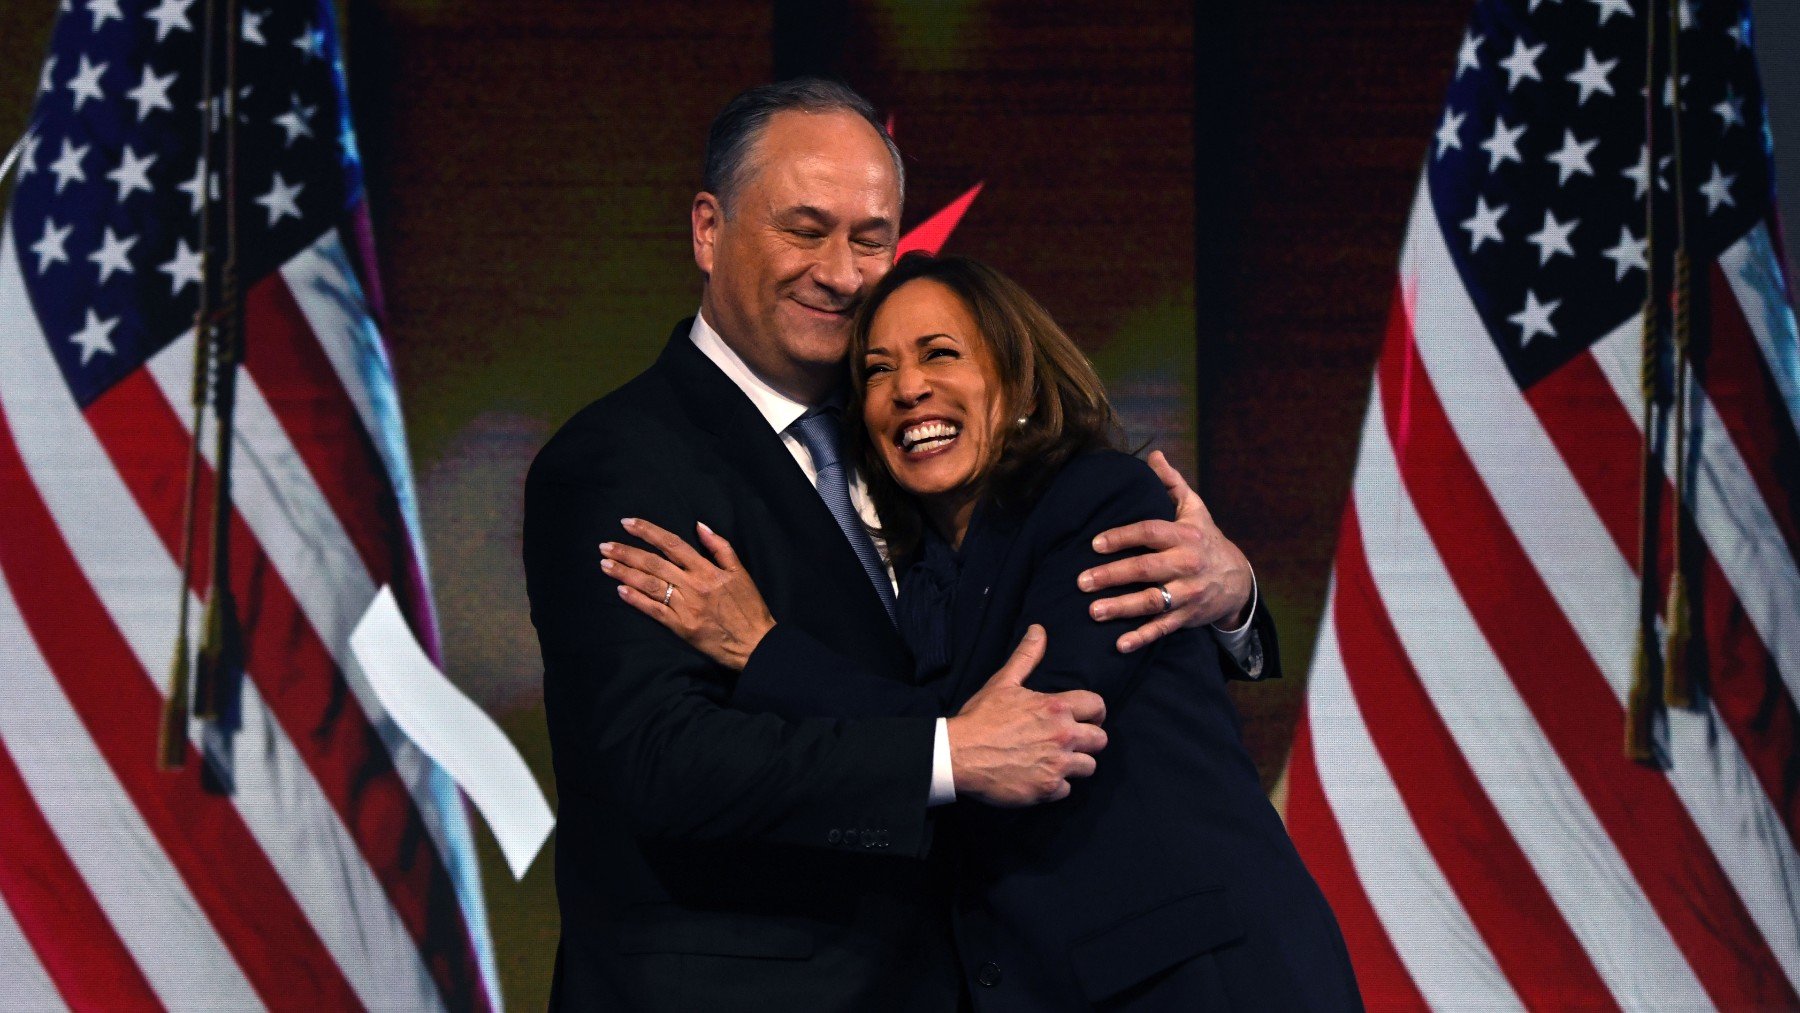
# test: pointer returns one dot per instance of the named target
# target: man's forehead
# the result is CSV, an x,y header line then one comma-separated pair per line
x,y
801,148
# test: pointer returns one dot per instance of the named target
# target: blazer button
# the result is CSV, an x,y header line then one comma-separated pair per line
x,y
833,837
989,975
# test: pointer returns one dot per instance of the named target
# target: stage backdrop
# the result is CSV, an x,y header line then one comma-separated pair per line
x,y
1210,204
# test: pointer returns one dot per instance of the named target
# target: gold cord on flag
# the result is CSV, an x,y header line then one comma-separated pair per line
x,y
218,348
1659,663
1677,688
171,747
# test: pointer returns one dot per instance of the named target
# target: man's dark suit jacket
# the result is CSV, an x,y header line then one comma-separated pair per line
x,y
708,857
1165,881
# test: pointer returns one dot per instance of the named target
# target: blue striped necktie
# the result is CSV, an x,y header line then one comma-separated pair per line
x,y
823,436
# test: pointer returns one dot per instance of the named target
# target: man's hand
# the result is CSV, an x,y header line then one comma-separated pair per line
x,y
1012,747
1208,579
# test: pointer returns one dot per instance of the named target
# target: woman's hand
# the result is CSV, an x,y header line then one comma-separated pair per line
x,y
715,607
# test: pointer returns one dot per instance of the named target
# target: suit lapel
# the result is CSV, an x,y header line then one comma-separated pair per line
x,y
990,541
747,444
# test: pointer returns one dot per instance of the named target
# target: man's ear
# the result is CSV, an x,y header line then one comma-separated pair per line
x,y
706,216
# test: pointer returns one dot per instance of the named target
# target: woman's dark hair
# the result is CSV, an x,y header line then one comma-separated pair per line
x,y
1050,392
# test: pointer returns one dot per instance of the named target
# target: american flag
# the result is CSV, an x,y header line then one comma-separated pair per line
x,y
334,867
1459,783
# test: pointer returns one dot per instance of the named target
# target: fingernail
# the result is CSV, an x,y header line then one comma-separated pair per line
x,y
607,565
1099,544
1086,581
703,527
606,547
624,592
629,522
1099,613
1127,645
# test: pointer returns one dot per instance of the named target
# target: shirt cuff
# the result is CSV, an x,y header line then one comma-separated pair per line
x,y
1243,643
943,780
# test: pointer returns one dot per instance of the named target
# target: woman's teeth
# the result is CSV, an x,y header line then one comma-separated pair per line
x,y
928,436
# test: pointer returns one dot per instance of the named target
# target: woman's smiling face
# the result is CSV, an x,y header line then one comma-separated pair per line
x,y
932,398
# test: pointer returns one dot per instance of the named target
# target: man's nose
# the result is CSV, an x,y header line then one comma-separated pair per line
x,y
836,269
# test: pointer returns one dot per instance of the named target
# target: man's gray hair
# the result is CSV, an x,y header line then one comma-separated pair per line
x,y
736,129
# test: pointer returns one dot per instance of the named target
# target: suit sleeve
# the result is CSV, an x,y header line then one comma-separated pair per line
x,y
1092,495
791,673
641,720
1266,649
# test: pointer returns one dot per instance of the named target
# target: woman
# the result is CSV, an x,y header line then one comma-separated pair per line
x,y
1164,881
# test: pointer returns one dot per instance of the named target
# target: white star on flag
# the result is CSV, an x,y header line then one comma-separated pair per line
x,y
1553,238
104,11
86,82
1607,8
193,186
1639,174
1572,157
133,173
1468,57
1504,145
311,42
1534,319
1628,255
112,256
170,15
151,93
1730,111
183,269
1522,64
1718,190
1485,225
52,248
280,200
250,27
95,337
1669,90
296,122
67,167
1592,77
28,149
1449,133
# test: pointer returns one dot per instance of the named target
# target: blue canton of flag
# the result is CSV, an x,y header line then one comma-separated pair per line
x,y
1539,169
106,211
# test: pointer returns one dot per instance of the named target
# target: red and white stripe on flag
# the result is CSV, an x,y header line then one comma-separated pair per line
x,y
1458,784
338,870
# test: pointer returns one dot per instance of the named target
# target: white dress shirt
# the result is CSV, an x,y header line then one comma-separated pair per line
x,y
782,411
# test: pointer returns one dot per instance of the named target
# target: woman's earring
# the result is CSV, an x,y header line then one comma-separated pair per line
x,y
1021,420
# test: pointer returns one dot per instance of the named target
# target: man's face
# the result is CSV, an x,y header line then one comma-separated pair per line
x,y
813,226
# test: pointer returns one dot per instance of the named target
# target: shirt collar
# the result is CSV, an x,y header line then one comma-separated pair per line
x,y
777,408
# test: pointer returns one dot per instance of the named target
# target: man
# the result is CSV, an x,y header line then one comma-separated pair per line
x,y
711,856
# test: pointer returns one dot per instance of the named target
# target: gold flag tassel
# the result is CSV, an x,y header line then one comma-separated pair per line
x,y
171,746
1643,706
